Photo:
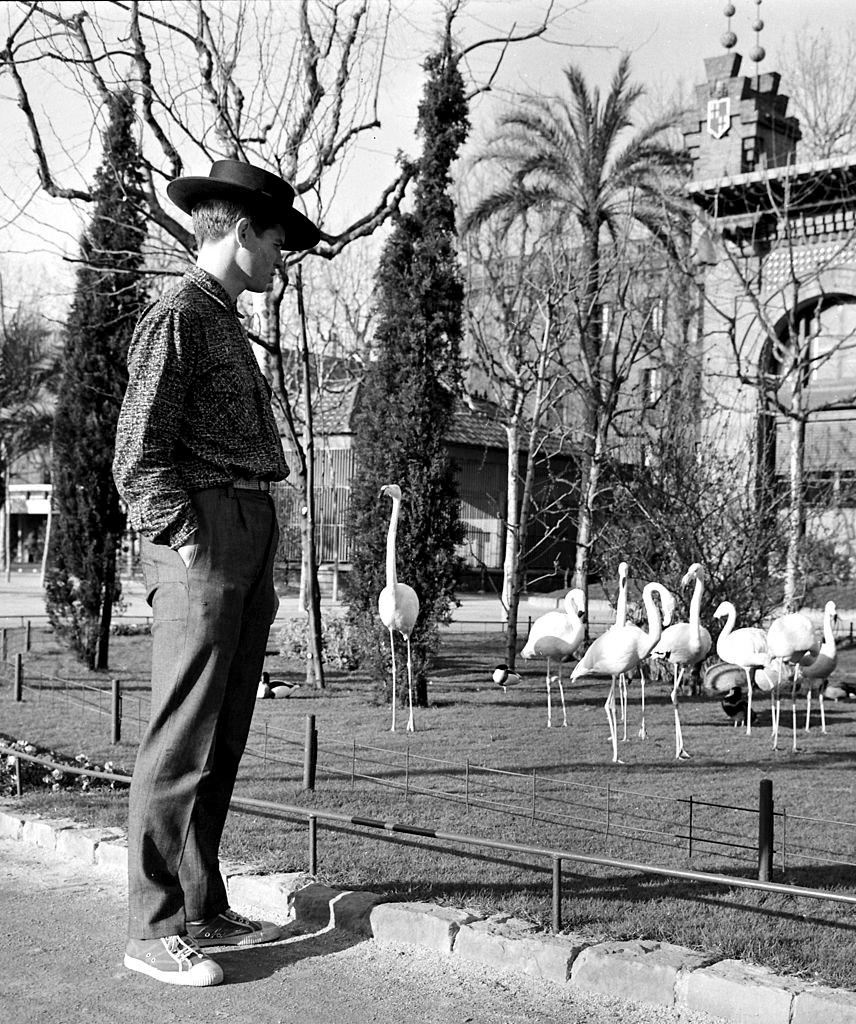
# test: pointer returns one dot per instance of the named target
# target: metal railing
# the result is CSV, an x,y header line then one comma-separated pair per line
x,y
555,855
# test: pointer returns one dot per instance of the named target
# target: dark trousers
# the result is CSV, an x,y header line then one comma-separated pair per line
x,y
210,630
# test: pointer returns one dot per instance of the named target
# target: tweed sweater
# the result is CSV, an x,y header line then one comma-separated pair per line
x,y
197,411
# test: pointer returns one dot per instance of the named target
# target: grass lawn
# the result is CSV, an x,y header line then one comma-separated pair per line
x,y
577,791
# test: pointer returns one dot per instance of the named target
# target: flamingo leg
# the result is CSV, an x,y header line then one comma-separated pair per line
x,y
549,700
822,712
410,725
807,709
643,734
562,695
680,753
748,702
777,706
609,707
622,696
394,697
794,688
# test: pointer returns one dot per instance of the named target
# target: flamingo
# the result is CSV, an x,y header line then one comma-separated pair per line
x,y
619,650
621,620
557,635
397,605
790,638
819,670
683,644
745,647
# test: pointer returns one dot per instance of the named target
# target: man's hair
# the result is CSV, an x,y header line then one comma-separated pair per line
x,y
215,218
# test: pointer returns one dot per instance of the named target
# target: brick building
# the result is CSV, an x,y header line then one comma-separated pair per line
x,y
778,241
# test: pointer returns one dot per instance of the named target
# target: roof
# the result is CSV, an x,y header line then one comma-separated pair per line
x,y
477,423
738,194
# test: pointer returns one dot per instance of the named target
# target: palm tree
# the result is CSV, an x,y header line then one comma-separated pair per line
x,y
577,164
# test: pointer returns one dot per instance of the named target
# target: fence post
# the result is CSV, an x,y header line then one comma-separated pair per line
x,y
116,710
557,895
310,754
19,789
690,851
27,641
765,830
313,845
4,652
18,686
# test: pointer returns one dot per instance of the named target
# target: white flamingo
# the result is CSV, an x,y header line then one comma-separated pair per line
x,y
685,644
819,670
398,605
791,638
620,650
557,635
745,647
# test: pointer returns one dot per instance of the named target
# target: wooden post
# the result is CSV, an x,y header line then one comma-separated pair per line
x,y
18,686
765,830
116,711
313,845
310,753
557,895
28,640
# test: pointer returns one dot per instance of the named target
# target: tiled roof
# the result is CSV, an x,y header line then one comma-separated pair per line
x,y
477,422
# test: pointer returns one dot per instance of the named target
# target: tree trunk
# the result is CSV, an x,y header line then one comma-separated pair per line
x,y
588,500
108,590
526,498
315,665
512,516
309,569
796,514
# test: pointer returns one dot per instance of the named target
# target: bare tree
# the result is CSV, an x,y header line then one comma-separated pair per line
x,y
514,343
292,87
816,69
791,336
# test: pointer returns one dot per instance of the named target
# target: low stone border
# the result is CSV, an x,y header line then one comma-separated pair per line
x,y
656,973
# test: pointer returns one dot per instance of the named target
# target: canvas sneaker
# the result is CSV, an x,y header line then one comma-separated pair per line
x,y
175,959
231,929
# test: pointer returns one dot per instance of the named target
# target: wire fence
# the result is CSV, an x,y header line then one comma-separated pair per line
x,y
638,819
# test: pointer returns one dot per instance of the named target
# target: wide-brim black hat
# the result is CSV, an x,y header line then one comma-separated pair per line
x,y
253,187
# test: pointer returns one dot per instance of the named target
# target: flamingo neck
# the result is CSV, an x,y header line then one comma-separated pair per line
x,y
828,635
621,601
695,608
731,618
655,625
391,574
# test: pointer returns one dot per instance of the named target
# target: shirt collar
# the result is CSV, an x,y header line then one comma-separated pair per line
x,y
211,286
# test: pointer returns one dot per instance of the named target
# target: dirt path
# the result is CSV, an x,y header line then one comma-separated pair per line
x,y
60,963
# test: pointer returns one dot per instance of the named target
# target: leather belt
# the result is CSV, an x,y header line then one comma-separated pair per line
x,y
252,484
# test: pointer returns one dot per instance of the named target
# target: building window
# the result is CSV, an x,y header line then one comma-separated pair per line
x,y
652,386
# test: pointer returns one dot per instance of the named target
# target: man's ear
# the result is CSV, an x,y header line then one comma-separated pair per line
x,y
242,227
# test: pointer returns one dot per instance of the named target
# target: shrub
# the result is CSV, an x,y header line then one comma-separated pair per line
x,y
39,776
338,643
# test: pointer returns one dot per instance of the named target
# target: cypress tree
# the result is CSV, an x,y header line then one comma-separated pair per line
x,y
409,395
83,584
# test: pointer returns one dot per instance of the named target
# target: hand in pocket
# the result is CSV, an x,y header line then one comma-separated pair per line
x,y
187,551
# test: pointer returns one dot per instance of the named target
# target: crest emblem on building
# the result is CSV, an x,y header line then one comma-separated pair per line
x,y
719,116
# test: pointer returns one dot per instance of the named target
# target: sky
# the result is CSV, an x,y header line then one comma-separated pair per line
x,y
667,39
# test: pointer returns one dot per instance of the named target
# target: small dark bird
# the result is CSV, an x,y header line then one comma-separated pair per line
x,y
504,677
837,690
735,705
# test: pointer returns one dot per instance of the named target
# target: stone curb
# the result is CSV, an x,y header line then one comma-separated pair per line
x,y
654,973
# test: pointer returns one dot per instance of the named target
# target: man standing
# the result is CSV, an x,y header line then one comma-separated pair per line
x,y
196,449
